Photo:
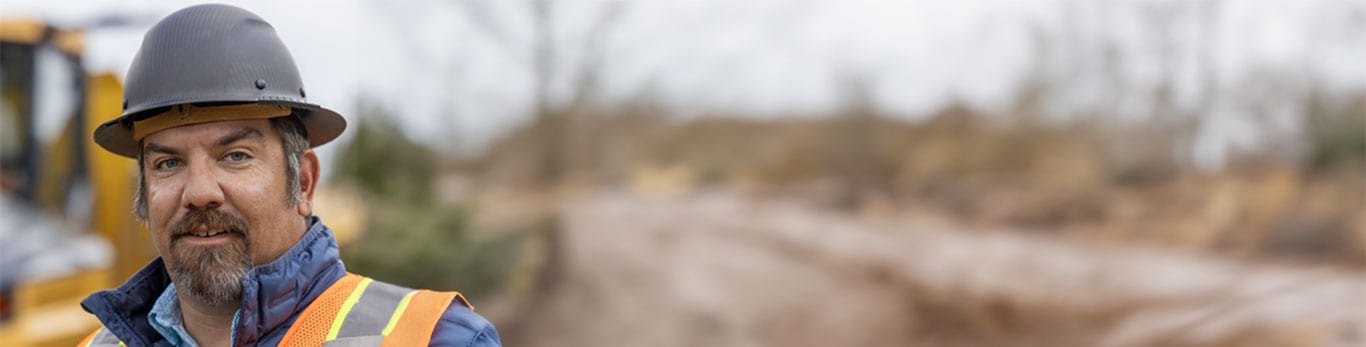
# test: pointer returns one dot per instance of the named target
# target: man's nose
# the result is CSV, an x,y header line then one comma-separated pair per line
x,y
201,188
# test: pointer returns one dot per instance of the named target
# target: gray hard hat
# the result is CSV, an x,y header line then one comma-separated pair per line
x,y
212,55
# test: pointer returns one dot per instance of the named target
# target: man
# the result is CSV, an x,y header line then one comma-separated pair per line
x,y
215,114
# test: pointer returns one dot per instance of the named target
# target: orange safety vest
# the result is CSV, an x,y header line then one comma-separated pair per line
x,y
355,311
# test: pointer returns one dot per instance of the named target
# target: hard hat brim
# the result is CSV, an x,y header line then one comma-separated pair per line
x,y
323,126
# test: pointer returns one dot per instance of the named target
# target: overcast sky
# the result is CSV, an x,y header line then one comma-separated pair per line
x,y
457,72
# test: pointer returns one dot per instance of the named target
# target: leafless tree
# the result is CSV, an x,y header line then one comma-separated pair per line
x,y
557,119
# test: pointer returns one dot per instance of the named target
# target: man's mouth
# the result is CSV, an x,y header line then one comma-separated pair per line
x,y
206,233
208,238
209,233
208,227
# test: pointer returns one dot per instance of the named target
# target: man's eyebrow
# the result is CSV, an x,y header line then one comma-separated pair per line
x,y
152,147
245,133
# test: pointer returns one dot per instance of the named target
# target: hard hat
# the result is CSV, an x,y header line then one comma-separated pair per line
x,y
205,56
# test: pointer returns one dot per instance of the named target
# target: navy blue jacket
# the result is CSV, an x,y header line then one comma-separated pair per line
x,y
273,295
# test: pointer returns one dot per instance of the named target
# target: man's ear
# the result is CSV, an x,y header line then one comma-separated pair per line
x,y
308,182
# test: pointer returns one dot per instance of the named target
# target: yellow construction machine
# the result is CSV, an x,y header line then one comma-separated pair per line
x,y
65,226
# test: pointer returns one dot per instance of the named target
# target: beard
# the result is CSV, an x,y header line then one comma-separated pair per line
x,y
210,274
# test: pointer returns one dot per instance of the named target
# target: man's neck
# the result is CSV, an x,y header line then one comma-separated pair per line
x,y
210,325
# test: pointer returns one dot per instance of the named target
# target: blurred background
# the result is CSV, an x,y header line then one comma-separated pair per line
x,y
769,172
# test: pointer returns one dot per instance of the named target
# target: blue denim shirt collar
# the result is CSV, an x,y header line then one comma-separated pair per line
x,y
165,318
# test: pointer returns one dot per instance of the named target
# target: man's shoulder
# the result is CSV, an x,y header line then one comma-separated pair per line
x,y
461,326
458,325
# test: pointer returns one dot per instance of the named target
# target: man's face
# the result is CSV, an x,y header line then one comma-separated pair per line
x,y
217,203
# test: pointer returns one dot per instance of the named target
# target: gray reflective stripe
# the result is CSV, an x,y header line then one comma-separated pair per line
x,y
358,341
372,311
104,338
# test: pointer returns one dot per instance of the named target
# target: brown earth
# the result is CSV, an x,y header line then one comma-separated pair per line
x,y
716,269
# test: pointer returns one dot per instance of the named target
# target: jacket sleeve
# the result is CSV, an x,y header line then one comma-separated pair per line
x,y
460,327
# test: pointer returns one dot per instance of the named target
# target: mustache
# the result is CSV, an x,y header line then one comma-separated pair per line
x,y
211,218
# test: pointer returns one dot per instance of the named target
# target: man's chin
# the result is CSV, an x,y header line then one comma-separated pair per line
x,y
212,273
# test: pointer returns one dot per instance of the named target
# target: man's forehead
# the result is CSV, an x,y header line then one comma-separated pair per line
x,y
188,114
212,133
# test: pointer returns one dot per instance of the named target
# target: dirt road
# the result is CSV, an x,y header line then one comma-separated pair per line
x,y
719,270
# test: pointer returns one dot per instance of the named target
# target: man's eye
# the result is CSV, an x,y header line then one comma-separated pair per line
x,y
237,156
168,163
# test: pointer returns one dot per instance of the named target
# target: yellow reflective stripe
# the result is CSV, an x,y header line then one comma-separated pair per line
x,y
121,344
346,308
393,320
